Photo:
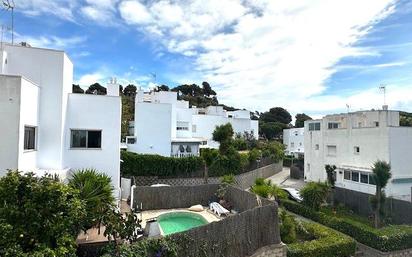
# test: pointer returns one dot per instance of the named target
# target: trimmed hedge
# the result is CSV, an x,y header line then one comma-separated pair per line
x,y
155,165
390,238
327,243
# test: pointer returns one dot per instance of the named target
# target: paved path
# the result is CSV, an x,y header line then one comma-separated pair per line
x,y
282,179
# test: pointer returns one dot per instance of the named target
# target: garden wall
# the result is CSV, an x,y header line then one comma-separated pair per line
x,y
371,252
244,180
399,211
238,235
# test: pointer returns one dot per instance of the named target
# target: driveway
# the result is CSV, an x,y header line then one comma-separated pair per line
x,y
282,179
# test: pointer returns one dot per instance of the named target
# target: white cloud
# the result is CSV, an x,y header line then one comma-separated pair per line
x,y
101,11
62,8
88,79
264,53
52,42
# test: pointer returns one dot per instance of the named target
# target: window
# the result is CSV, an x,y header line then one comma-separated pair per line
x,y
346,174
130,140
331,150
317,147
182,126
364,178
372,179
292,144
86,139
194,128
314,126
355,176
376,123
333,125
359,124
356,149
29,138
296,133
300,143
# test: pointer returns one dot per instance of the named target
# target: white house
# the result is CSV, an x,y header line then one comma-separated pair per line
x,y
169,127
293,139
353,142
45,128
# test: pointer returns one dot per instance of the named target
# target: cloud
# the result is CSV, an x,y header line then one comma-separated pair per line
x,y
52,42
102,12
62,8
261,53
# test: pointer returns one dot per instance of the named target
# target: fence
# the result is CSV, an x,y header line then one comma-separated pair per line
x,y
238,235
400,212
244,180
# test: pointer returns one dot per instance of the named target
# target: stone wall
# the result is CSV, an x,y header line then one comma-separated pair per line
x,y
398,211
244,180
371,252
277,250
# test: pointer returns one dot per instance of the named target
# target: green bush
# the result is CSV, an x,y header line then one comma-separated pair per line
x,y
327,243
254,155
240,144
272,149
265,188
314,194
226,164
155,165
38,216
390,238
97,193
287,227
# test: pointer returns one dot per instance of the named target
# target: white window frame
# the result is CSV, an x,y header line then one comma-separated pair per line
x,y
35,139
87,139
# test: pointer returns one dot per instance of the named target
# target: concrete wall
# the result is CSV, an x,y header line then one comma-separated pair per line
x,y
29,116
103,110
10,88
370,252
153,129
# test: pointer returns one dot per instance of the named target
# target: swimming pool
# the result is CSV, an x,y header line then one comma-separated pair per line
x,y
174,222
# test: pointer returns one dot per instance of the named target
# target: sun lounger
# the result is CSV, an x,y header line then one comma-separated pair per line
x,y
218,209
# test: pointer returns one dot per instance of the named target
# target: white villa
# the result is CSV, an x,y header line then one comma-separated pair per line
x,y
353,142
293,139
169,127
45,128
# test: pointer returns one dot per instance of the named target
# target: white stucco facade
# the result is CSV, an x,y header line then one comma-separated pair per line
x,y
353,142
294,139
169,127
35,95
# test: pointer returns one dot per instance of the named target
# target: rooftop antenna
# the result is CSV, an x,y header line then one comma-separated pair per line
x,y
348,107
9,5
382,88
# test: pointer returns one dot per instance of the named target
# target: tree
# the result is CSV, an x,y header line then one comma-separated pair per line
x,y
276,114
130,90
381,175
272,130
39,216
97,89
76,89
405,119
162,88
331,176
207,89
300,120
224,135
96,191
314,194
209,156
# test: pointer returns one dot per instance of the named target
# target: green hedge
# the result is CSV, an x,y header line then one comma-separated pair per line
x,y
155,165
390,238
327,243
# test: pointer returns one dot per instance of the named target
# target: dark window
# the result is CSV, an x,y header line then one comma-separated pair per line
x,y
29,138
372,179
357,149
364,178
333,125
314,126
86,139
355,176
346,175
376,123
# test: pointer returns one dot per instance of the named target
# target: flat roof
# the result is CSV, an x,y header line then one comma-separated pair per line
x,y
21,77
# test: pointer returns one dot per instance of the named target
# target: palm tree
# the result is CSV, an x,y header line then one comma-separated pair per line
x,y
381,175
96,191
330,171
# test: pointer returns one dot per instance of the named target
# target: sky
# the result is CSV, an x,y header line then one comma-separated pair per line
x,y
312,56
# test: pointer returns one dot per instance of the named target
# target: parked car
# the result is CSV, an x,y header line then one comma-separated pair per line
x,y
293,194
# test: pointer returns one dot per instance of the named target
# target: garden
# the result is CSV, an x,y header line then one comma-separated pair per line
x,y
236,154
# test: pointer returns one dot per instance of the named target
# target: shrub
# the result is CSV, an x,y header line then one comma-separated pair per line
x,y
228,179
96,191
287,227
273,149
165,247
240,144
314,194
38,216
265,188
387,239
327,243
244,160
155,165
226,164
254,155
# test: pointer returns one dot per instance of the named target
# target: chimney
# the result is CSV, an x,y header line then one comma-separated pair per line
x,y
140,95
385,107
113,87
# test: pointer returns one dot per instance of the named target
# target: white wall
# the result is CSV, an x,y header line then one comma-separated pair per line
x,y
205,125
294,139
52,71
153,128
9,122
29,116
95,112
